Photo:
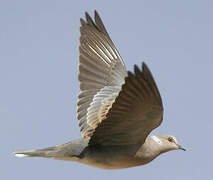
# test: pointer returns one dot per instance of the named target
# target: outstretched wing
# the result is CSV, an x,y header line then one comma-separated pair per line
x,y
101,74
136,111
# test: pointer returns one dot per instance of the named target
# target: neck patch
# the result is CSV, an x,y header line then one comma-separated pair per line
x,y
157,140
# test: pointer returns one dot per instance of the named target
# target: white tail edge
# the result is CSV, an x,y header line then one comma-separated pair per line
x,y
19,155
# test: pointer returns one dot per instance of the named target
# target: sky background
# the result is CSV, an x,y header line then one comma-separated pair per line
x,y
39,86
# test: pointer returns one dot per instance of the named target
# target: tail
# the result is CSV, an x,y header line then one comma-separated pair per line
x,y
65,151
46,152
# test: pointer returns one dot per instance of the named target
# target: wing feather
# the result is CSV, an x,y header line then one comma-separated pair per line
x,y
136,111
100,66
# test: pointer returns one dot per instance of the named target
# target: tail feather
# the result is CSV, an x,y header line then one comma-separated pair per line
x,y
47,152
65,151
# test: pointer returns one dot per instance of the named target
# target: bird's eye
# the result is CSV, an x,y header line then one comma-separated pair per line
x,y
170,139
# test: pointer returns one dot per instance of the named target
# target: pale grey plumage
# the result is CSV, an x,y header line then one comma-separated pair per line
x,y
116,109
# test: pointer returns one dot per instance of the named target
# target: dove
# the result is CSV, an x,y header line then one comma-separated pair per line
x,y
116,109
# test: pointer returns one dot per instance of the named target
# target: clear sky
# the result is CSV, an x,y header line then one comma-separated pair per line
x,y
39,87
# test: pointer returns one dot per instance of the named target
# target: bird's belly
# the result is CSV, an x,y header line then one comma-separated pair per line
x,y
112,158
110,163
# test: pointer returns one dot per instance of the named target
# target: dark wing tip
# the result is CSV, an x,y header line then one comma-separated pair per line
x,y
150,80
147,73
137,70
82,22
99,23
96,23
89,19
87,15
145,68
96,13
97,17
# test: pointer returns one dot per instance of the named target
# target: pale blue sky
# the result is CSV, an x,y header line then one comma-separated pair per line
x,y
39,87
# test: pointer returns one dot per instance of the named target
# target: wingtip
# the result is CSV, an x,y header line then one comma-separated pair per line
x,y
82,21
88,18
144,65
136,68
86,14
145,68
96,13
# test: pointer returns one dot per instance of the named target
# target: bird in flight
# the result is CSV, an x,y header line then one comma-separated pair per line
x,y
117,109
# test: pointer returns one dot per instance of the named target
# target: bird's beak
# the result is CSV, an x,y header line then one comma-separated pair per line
x,y
181,148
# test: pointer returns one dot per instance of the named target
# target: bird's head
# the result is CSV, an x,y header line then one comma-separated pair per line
x,y
167,143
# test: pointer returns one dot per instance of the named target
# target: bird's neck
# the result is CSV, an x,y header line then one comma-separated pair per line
x,y
149,150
